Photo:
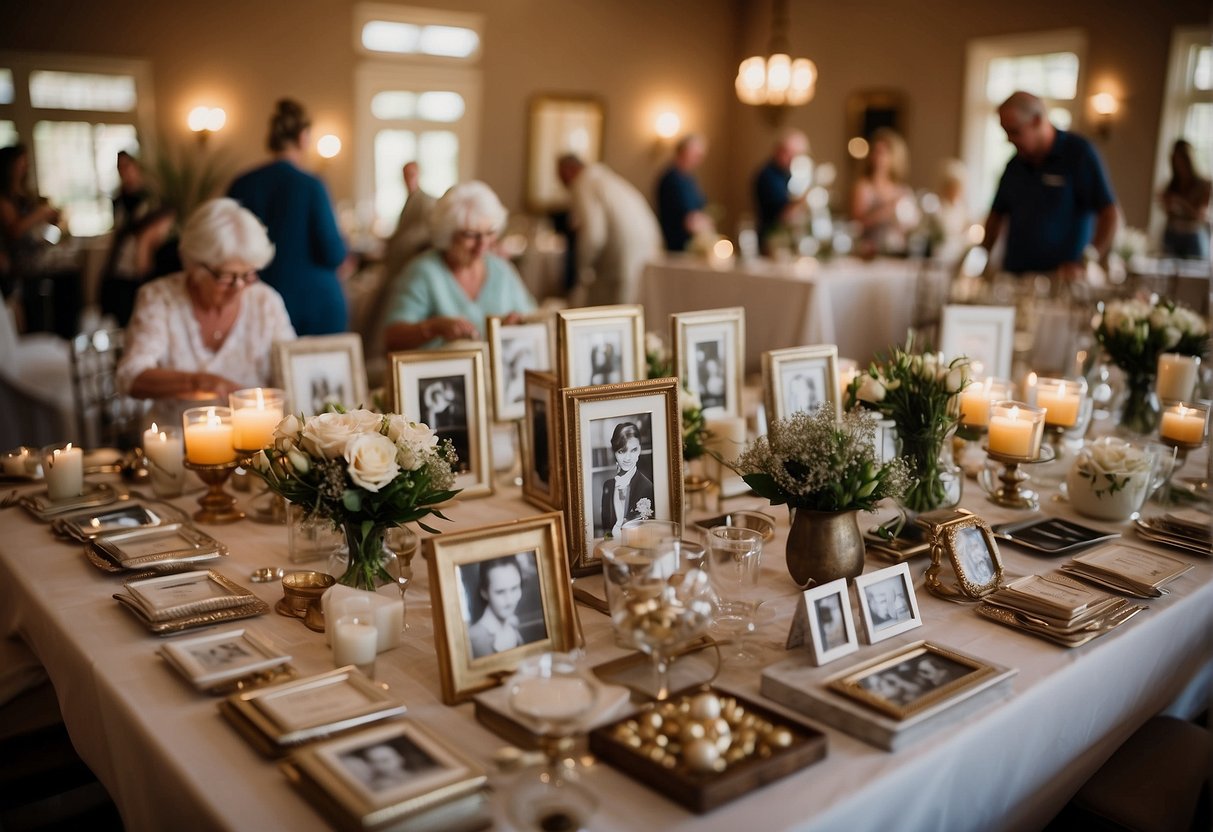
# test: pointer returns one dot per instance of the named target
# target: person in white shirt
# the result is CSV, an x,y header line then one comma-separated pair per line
x,y
617,233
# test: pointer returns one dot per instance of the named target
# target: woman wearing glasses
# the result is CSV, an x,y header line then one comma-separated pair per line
x,y
447,293
209,329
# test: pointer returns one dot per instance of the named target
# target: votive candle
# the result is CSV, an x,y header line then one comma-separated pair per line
x,y
1015,430
256,411
1183,424
166,453
1061,399
975,400
356,642
63,468
1176,376
208,436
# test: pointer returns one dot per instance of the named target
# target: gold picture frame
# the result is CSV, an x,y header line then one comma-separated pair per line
x,y
383,776
540,432
509,346
701,339
800,378
910,679
593,418
317,370
560,124
970,546
600,345
445,390
527,557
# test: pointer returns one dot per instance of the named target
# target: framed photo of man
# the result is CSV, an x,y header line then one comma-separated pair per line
x,y
622,459
321,370
514,349
600,345
801,379
445,389
501,593
887,603
984,334
541,432
709,357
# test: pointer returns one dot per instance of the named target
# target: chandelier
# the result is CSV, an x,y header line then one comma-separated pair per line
x,y
777,80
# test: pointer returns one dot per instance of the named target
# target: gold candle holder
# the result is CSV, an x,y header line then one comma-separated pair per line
x,y
1012,492
1184,427
216,506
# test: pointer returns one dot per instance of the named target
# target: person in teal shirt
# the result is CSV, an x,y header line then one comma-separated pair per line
x,y
447,293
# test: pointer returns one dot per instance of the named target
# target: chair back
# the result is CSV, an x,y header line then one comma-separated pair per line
x,y
106,417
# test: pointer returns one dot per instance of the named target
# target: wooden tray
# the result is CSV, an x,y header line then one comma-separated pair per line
x,y
703,792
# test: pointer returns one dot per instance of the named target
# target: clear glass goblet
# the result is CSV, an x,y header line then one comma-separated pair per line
x,y
734,564
552,695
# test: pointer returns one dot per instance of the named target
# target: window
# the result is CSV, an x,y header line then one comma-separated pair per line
x,y
1048,65
418,100
75,114
1188,109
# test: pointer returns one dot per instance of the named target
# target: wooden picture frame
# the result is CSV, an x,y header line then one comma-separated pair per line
x,y
558,124
594,417
911,679
970,545
600,345
445,390
800,378
525,557
514,349
985,334
709,358
831,625
887,603
540,432
317,370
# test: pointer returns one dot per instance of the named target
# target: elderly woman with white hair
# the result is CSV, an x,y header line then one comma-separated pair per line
x,y
447,293
209,329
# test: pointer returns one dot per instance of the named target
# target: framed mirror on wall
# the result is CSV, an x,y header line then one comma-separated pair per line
x,y
560,124
869,110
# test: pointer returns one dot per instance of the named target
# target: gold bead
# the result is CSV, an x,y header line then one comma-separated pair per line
x,y
633,741
781,737
705,706
701,755
720,765
652,719
661,740
692,731
669,761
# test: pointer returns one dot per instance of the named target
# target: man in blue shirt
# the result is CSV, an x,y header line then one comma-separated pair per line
x,y
1054,196
775,206
680,202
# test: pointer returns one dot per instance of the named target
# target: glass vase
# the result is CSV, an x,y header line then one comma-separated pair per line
x,y
365,562
1140,413
937,479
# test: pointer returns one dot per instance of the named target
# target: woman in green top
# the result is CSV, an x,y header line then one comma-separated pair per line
x,y
447,293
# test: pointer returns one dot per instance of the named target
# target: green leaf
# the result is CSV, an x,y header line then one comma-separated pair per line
x,y
424,527
352,500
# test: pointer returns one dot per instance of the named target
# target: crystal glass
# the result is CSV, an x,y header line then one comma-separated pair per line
x,y
734,564
657,604
552,695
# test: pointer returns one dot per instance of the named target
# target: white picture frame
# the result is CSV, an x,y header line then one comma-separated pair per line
x,y
887,603
599,345
215,658
513,349
319,370
832,632
709,358
984,334
800,379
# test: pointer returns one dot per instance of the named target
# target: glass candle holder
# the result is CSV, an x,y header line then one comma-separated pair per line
x,y
256,411
975,401
1184,424
165,454
1015,430
23,462
63,468
208,435
1061,399
1177,375
356,642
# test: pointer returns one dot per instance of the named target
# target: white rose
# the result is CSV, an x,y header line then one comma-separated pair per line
x,y
372,460
326,435
653,343
288,428
1170,337
870,390
1116,456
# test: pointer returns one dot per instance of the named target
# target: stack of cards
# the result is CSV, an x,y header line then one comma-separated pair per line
x,y
1127,570
1056,608
1187,529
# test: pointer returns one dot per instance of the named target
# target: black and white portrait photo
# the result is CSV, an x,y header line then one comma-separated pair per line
x,y
522,347
830,622
444,409
712,385
502,603
606,357
222,655
887,602
804,387
541,469
622,481
974,554
387,765
907,681
320,379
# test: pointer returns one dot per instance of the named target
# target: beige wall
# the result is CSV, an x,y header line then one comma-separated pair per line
x,y
639,55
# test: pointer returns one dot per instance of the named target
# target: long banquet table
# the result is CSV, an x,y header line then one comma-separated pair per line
x,y
171,762
862,306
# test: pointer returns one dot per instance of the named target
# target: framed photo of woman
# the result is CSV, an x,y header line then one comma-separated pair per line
x,y
801,379
600,345
709,357
541,463
502,593
514,349
445,389
887,603
321,370
623,461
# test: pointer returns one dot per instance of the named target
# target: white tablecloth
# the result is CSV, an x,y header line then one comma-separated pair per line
x,y
863,307
170,761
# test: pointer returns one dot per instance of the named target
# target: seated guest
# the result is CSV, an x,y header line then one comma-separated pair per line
x,y
680,202
879,194
446,293
210,328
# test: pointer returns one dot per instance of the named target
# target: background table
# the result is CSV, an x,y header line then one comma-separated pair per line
x,y
862,306
170,761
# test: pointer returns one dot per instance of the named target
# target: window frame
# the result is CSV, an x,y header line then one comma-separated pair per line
x,y
365,13
1179,96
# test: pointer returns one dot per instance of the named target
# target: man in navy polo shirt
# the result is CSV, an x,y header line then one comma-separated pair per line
x,y
1054,195
680,202
772,199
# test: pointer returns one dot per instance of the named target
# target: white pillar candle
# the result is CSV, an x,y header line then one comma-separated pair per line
x,y
209,442
1176,376
166,455
355,641
1182,424
387,611
64,471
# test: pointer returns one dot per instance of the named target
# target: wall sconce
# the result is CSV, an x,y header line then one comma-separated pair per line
x,y
667,125
1106,106
328,146
206,120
